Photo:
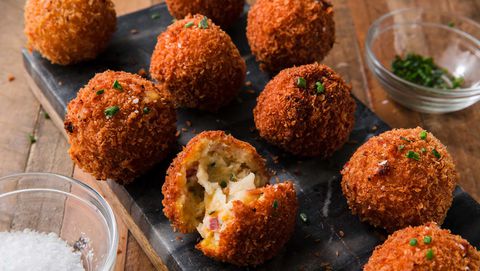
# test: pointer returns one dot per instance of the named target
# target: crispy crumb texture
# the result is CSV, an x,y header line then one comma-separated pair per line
x,y
69,31
120,125
302,120
283,33
218,186
396,180
449,252
222,12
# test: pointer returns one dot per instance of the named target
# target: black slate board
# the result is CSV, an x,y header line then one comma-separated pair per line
x,y
315,245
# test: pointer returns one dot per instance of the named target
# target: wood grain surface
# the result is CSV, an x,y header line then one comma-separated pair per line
x,y
21,114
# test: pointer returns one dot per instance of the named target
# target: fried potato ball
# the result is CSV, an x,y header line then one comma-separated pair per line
x,y
69,31
424,248
120,125
222,12
306,110
285,33
218,185
403,177
198,63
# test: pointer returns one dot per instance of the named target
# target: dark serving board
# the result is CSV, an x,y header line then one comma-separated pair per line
x,y
332,238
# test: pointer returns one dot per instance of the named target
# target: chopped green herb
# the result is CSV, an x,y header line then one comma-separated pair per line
x,y
423,135
451,24
189,24
435,153
429,254
401,147
304,217
427,239
301,82
413,242
203,24
46,115
405,139
100,92
423,71
32,138
275,204
320,87
146,110
423,150
223,184
111,111
155,16
116,85
413,155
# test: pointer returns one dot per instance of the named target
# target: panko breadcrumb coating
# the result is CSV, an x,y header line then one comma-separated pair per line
x,y
222,12
313,117
424,248
403,177
69,31
120,125
285,33
198,63
219,186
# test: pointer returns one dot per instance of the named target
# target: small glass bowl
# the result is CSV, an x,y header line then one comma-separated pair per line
x,y
452,41
46,202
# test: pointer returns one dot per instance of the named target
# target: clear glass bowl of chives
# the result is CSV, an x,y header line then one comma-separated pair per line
x,y
425,60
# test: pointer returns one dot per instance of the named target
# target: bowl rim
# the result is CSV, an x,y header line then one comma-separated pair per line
x,y
373,29
112,250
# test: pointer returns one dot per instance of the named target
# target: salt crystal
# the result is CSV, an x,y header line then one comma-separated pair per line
x,y
34,251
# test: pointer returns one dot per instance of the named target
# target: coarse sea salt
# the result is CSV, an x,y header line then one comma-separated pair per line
x,y
34,251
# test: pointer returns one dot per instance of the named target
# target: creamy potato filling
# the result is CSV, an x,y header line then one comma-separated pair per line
x,y
215,181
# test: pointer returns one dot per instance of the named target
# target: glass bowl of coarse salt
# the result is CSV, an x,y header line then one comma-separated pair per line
x,y
55,223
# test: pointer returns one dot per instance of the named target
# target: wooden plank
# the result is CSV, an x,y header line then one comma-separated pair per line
x,y
136,258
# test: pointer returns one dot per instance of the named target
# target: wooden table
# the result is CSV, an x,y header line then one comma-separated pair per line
x,y
21,114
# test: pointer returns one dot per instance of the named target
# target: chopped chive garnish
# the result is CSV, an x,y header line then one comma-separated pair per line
x,y
301,82
46,115
429,254
423,135
405,139
401,147
304,217
424,71
320,87
223,184
435,153
116,85
189,24
413,242
275,204
111,111
413,155
146,110
427,239
203,24
32,138
451,24
100,92
155,16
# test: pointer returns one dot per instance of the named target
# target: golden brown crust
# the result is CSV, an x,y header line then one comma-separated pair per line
x,y
402,191
69,31
173,188
259,229
131,141
201,67
450,252
301,121
222,12
283,33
